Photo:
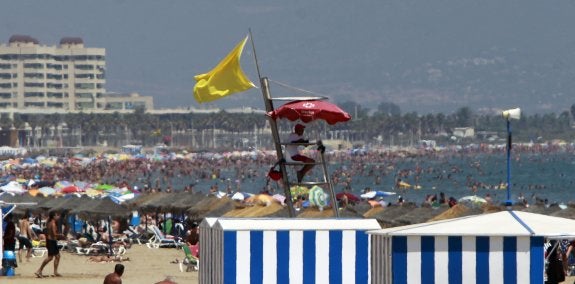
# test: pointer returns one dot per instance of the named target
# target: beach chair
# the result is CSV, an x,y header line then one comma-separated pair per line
x,y
160,240
39,248
191,261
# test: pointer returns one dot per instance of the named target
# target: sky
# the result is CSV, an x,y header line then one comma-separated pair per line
x,y
425,56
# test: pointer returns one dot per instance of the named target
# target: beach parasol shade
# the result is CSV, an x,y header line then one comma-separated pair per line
x,y
70,189
308,111
317,196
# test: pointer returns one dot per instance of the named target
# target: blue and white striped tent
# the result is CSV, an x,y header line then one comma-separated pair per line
x,y
274,250
503,247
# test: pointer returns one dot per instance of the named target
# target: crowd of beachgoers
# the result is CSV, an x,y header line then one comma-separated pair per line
x,y
228,171
178,172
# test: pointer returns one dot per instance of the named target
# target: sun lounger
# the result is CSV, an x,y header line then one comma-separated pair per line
x,y
191,262
160,240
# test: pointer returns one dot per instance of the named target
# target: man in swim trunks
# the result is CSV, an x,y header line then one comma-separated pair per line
x,y
51,244
25,236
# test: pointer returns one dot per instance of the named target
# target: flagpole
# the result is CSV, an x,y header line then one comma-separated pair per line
x,y
255,56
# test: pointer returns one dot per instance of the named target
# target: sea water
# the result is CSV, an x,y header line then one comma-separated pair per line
x,y
539,176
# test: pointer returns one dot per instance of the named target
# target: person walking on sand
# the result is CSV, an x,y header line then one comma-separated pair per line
x,y
116,276
293,151
51,244
25,236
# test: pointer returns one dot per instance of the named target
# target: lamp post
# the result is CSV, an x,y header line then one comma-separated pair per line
x,y
508,115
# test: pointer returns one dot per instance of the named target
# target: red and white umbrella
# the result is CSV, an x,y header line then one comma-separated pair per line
x,y
311,110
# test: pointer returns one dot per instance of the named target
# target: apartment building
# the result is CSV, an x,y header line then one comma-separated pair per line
x,y
68,77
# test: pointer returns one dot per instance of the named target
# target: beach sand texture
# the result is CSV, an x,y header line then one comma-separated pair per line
x,y
145,266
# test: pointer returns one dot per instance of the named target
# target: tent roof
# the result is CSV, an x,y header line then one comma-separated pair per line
x,y
504,223
246,224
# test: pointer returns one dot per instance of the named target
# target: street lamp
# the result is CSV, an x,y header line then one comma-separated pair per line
x,y
509,114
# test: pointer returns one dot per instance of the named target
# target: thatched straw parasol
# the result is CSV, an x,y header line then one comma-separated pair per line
x,y
419,215
104,207
255,211
211,206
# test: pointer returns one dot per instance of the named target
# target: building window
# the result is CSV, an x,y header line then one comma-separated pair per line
x,y
34,75
55,95
84,66
5,66
5,95
84,76
54,76
84,95
33,85
34,104
85,105
33,95
34,65
8,56
134,105
5,76
54,86
84,86
117,105
54,66
55,105
5,85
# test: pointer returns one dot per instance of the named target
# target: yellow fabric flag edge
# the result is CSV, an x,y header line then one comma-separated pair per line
x,y
225,79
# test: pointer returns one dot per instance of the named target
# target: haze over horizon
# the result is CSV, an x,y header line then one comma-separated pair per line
x,y
424,56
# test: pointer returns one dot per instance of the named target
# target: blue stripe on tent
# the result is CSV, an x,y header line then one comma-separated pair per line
x,y
335,250
510,260
428,259
399,259
309,257
536,262
361,257
282,250
256,257
482,260
230,255
455,260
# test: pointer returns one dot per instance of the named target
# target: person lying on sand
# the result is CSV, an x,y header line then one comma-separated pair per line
x,y
106,258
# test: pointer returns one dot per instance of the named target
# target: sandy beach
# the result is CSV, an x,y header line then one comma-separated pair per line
x,y
145,266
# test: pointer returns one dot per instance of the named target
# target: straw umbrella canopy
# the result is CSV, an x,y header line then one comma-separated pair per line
x,y
419,215
103,208
211,206
140,200
52,202
151,203
73,202
187,201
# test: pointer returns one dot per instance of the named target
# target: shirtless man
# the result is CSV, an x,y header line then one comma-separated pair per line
x,y
51,244
116,276
25,236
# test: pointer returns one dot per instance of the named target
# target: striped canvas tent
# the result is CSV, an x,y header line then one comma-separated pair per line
x,y
503,247
274,250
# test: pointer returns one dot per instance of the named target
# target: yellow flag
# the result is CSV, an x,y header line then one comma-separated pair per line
x,y
225,79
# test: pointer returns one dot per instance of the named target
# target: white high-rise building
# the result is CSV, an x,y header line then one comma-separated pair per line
x,y
65,78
